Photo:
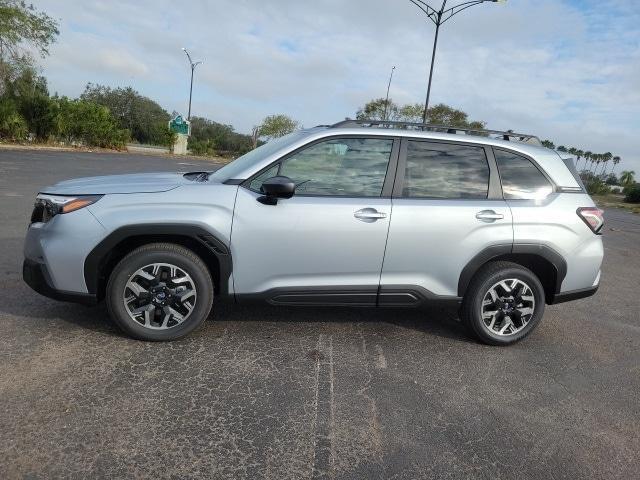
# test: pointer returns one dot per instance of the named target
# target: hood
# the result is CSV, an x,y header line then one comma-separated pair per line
x,y
130,183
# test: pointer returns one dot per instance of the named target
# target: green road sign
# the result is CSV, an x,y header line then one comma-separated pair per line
x,y
180,125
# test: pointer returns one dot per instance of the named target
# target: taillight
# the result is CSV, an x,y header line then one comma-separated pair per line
x,y
593,217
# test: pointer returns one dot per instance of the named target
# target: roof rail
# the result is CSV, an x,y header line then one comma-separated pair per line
x,y
429,127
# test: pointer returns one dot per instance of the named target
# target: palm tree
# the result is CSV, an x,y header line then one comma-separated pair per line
x,y
626,177
573,151
616,161
605,158
597,158
592,159
587,157
562,148
579,154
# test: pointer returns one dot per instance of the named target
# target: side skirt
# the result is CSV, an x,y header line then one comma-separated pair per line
x,y
357,296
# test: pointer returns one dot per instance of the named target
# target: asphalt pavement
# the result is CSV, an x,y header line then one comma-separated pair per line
x,y
296,393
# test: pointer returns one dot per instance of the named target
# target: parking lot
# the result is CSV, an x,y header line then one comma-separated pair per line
x,y
286,393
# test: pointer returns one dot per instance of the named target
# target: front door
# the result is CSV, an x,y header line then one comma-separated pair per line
x,y
447,208
326,243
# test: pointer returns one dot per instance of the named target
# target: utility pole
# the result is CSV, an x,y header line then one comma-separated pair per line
x,y
193,67
439,17
386,102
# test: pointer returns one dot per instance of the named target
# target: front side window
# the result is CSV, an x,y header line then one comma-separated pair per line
x,y
258,180
445,171
340,167
521,179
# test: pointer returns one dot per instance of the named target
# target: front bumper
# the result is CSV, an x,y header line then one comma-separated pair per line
x,y
37,277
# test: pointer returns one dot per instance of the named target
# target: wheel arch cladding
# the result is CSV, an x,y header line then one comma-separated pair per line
x,y
103,258
547,264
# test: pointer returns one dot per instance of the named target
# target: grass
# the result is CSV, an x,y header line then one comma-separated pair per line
x,y
613,200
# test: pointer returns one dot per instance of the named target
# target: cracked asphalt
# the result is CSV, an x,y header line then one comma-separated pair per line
x,y
286,393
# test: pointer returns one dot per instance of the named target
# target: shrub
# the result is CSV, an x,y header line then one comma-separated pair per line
x,y
595,186
12,124
90,124
633,194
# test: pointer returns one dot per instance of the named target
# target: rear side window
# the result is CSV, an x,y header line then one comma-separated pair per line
x,y
521,179
447,171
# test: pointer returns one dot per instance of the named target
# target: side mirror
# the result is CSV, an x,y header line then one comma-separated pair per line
x,y
275,188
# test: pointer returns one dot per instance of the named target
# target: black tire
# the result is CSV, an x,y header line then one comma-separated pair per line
x,y
482,282
168,253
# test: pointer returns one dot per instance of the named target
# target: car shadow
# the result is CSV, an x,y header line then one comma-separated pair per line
x,y
431,320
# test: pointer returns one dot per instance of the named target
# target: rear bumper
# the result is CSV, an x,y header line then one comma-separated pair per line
x,y
37,277
573,295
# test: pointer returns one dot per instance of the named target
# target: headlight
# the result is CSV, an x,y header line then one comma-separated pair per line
x,y
47,206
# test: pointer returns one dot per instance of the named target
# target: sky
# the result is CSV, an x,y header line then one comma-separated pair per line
x,y
566,70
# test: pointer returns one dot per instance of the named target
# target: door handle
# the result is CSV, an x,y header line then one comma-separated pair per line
x,y
489,216
369,215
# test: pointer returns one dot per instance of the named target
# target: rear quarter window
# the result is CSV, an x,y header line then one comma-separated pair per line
x,y
572,168
521,179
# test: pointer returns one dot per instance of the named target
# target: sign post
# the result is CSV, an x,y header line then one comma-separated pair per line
x,y
182,129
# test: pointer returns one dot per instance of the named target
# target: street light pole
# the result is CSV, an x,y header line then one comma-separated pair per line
x,y
386,102
193,67
439,17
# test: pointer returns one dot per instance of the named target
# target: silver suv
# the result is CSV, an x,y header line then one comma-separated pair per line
x,y
361,213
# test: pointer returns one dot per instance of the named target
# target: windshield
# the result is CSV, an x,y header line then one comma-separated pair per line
x,y
233,169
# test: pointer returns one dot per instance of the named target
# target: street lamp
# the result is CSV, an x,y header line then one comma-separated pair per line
x,y
193,67
439,17
386,102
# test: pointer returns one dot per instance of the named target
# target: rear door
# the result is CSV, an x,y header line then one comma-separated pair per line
x,y
447,207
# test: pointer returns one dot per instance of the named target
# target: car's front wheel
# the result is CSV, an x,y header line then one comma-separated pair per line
x,y
159,292
503,304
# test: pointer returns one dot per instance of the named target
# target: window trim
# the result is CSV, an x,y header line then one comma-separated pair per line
x,y
389,179
494,190
554,187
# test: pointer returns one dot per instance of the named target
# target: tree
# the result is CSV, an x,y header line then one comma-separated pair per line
x,y
411,113
616,161
145,119
440,114
375,110
23,29
605,158
627,177
275,126
212,138
562,148
611,179
80,121
579,154
255,135
587,158
548,144
12,125
597,159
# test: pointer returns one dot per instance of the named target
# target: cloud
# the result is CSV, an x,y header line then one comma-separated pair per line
x,y
121,62
567,70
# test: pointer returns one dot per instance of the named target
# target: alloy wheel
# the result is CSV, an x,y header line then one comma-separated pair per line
x,y
507,307
159,296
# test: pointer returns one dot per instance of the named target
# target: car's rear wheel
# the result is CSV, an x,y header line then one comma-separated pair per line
x,y
159,292
503,304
